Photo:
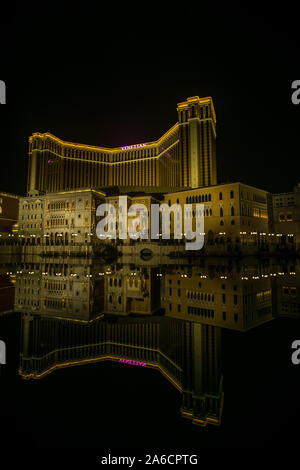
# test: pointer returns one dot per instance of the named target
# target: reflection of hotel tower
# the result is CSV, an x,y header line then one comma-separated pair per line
x,y
187,354
185,156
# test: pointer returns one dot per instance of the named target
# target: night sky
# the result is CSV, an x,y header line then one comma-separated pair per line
x,y
114,77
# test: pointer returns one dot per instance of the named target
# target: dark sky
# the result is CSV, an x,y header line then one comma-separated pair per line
x,y
114,77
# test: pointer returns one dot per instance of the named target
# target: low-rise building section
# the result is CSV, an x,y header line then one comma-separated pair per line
x,y
286,216
63,218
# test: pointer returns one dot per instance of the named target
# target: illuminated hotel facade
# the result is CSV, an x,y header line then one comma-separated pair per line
x,y
185,156
178,168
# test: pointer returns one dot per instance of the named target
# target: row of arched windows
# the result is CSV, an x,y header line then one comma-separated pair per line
x,y
201,296
58,205
197,199
196,213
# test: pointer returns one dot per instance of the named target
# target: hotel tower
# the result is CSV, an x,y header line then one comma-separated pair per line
x,y
184,157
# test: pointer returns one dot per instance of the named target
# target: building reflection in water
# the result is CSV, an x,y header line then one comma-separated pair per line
x,y
169,317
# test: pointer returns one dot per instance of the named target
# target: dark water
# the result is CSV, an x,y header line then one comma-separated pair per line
x,y
64,389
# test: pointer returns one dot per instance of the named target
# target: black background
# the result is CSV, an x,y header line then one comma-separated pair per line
x,y
92,410
114,76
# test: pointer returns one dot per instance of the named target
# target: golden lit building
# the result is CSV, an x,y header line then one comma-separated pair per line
x,y
131,200
286,216
220,296
179,167
132,291
286,285
185,156
63,218
59,289
234,213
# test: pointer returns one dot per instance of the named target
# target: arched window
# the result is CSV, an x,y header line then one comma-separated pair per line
x,y
221,211
220,196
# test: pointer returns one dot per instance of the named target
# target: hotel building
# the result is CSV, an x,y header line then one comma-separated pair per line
x,y
185,156
73,291
132,291
67,181
63,218
286,216
286,286
227,298
234,213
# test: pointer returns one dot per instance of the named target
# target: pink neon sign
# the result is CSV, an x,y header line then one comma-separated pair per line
x,y
135,146
133,363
